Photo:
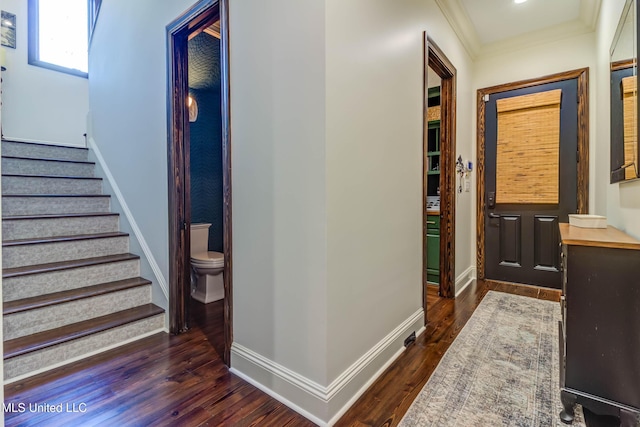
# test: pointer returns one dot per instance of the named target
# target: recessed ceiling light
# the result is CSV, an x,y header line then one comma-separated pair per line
x,y
519,1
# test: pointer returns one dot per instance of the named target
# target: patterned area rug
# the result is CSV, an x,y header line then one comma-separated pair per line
x,y
501,370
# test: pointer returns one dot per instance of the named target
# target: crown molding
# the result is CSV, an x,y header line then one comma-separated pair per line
x,y
461,23
459,20
535,38
589,12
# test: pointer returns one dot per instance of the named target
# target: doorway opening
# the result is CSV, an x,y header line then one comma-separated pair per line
x,y
439,148
204,26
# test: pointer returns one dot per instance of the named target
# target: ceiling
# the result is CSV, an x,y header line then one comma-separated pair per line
x,y
484,27
433,79
492,26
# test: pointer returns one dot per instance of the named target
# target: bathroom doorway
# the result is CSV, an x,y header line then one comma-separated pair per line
x,y
439,148
199,169
206,304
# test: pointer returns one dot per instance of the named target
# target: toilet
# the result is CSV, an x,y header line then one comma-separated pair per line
x,y
207,284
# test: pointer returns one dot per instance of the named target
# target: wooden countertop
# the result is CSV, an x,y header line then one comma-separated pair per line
x,y
433,212
609,237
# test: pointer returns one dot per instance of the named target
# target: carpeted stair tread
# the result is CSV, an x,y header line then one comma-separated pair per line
x,y
57,195
64,265
19,175
49,160
37,204
40,340
56,239
11,307
53,216
44,145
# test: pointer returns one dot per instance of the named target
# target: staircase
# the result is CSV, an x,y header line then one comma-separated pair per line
x,y
70,286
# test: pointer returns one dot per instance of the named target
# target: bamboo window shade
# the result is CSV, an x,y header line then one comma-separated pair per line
x,y
629,108
528,148
433,113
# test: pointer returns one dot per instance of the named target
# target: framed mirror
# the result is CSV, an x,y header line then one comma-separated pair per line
x,y
624,97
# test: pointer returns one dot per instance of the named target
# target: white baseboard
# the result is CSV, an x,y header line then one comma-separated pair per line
x,y
160,279
368,384
36,141
279,398
324,405
465,279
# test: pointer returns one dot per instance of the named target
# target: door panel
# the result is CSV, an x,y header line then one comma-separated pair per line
x,y
510,232
531,148
546,241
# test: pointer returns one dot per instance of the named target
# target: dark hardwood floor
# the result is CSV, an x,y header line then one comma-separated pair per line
x,y
160,380
181,380
387,400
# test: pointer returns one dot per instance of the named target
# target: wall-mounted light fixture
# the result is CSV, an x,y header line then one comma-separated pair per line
x,y
193,109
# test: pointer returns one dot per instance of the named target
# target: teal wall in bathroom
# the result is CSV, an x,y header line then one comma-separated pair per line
x,y
206,165
206,137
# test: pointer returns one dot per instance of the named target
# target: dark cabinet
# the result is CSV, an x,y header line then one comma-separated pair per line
x,y
600,329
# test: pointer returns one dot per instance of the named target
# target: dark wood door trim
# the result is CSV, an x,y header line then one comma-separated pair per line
x,y
438,61
619,65
582,75
193,21
226,180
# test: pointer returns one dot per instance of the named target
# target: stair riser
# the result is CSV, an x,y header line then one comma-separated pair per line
x,y
37,185
13,229
43,253
53,205
19,149
42,167
14,288
59,354
37,320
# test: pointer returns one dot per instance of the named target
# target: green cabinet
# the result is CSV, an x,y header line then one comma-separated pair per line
x,y
433,249
432,161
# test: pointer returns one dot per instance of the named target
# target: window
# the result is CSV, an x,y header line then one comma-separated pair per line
x,y
58,35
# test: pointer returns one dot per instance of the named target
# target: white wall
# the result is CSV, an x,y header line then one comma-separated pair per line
x,y
327,175
374,164
279,232
541,60
39,104
128,98
327,186
622,200
278,160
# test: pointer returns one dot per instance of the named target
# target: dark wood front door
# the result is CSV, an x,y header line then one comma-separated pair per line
x,y
531,169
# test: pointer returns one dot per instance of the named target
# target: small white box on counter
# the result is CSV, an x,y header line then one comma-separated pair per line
x,y
588,221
